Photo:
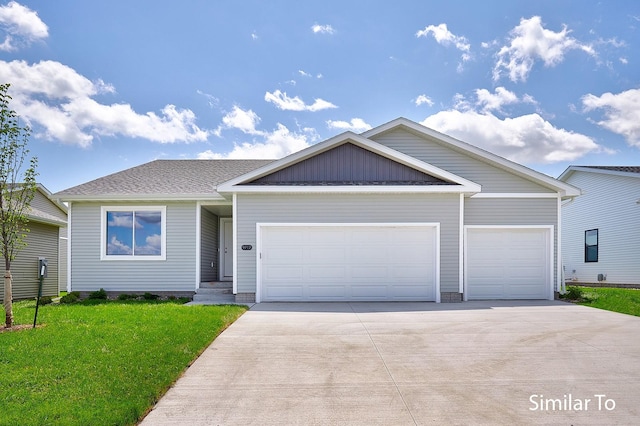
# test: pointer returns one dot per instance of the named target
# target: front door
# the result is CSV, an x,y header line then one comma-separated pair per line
x,y
226,249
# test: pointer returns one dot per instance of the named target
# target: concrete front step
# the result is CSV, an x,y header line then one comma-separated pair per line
x,y
217,284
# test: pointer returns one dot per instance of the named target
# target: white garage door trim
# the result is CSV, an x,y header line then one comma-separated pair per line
x,y
549,285
259,243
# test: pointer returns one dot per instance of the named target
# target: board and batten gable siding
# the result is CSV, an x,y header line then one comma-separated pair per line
x,y
492,179
42,241
609,204
515,212
176,273
347,208
209,242
44,204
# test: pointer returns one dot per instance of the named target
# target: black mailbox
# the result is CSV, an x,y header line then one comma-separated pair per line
x,y
43,265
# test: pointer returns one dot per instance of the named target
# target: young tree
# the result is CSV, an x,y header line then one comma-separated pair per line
x,y
17,189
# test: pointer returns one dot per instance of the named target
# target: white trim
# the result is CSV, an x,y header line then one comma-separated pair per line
x,y
69,248
516,195
221,254
460,184
388,189
461,247
198,243
234,216
571,169
260,225
550,259
132,258
212,197
559,272
563,188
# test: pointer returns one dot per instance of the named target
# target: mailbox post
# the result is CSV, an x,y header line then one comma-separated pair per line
x,y
43,265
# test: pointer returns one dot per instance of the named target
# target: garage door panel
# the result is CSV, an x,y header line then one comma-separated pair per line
x,y
362,262
507,263
326,292
276,272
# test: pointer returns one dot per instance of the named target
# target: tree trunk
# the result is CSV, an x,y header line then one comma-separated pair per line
x,y
8,299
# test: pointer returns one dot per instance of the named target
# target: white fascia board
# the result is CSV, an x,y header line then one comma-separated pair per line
x,y
144,197
516,195
571,169
462,184
561,187
388,189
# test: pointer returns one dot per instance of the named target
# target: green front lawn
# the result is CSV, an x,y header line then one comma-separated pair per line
x,y
623,300
100,364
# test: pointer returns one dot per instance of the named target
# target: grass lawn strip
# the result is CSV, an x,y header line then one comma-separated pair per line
x,y
106,363
622,300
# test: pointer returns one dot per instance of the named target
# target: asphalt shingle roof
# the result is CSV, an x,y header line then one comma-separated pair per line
x,y
627,169
166,177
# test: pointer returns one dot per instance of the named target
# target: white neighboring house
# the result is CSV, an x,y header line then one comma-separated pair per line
x,y
601,229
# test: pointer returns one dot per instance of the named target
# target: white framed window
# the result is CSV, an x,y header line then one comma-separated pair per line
x,y
133,233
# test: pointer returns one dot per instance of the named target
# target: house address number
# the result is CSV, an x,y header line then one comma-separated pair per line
x,y
247,247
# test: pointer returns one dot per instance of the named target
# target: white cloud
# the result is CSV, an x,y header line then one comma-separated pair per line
x,y
284,102
21,25
254,36
322,29
357,125
494,101
623,60
245,121
526,139
443,36
304,73
57,98
274,144
621,113
423,99
530,42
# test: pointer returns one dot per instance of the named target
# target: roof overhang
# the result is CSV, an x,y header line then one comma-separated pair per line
x,y
242,184
144,197
572,169
563,189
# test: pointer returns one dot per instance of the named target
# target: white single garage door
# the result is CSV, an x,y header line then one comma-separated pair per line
x,y
508,263
348,262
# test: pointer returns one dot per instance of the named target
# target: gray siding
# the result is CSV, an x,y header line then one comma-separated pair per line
x,y
176,273
348,164
44,204
515,211
492,179
348,208
609,204
209,246
42,241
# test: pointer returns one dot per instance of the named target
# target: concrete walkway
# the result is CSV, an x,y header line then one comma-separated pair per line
x,y
414,363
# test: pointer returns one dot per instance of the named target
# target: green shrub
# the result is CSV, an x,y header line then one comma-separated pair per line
x,y
149,296
72,297
99,294
573,293
45,300
125,296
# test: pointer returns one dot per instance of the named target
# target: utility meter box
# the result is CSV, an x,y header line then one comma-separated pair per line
x,y
43,265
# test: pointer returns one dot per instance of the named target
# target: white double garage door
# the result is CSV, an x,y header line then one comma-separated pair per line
x,y
395,262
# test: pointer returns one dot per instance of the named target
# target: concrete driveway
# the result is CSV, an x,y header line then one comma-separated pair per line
x,y
533,362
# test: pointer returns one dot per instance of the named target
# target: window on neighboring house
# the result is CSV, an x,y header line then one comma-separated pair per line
x,y
133,232
591,245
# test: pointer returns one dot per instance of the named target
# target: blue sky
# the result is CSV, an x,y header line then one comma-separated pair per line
x,y
110,85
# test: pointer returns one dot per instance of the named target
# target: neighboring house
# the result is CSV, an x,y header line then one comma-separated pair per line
x,y
397,213
601,229
47,217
